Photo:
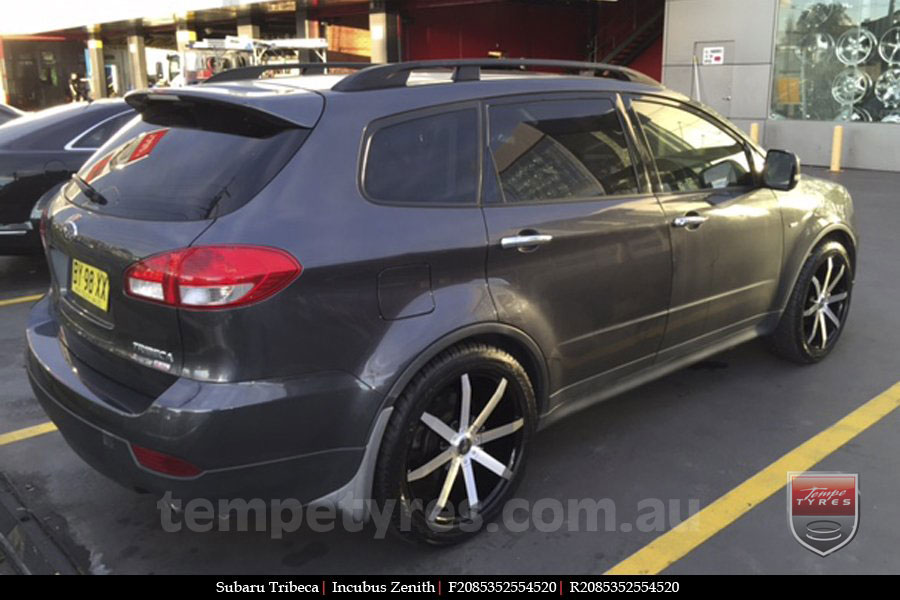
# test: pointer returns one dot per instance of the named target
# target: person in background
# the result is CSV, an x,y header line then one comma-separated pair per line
x,y
76,89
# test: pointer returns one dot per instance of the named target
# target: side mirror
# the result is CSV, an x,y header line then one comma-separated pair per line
x,y
782,170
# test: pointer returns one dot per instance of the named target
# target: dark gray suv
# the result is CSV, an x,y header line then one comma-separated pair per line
x,y
379,285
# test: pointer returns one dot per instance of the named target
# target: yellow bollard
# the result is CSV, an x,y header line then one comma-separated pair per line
x,y
754,132
837,144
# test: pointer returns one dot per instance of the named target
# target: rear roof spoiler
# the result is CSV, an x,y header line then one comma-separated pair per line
x,y
291,106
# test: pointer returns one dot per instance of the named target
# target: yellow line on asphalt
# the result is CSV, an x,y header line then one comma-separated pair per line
x,y
28,432
21,299
690,533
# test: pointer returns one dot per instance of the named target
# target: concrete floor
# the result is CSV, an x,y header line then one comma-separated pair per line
x,y
693,435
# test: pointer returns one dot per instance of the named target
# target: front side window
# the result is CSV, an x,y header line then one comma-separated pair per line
x,y
692,153
559,150
425,160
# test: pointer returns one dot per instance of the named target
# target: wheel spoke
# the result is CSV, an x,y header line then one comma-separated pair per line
x,y
438,426
466,403
837,298
429,467
812,309
827,274
818,286
834,319
499,432
824,330
445,491
489,408
471,488
815,329
836,279
486,460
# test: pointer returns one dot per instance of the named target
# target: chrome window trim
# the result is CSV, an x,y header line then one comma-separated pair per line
x,y
70,146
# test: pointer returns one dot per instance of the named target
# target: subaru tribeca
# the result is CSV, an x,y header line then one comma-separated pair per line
x,y
379,285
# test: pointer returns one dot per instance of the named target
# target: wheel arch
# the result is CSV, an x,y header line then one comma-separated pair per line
x,y
506,337
835,231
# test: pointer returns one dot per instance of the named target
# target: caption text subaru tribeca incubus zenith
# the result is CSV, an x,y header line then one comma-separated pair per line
x,y
379,285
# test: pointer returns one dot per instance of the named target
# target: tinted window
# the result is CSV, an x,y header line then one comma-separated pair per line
x,y
427,160
98,136
560,149
691,152
187,162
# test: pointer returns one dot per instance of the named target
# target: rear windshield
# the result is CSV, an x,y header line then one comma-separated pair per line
x,y
185,161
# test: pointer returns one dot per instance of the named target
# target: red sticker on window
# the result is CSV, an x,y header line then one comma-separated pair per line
x,y
147,144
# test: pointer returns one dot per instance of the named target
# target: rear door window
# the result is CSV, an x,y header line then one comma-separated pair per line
x,y
430,159
187,161
560,150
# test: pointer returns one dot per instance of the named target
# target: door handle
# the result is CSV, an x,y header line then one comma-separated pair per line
x,y
689,221
525,242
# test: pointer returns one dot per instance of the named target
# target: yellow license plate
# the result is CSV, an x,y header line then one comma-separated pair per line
x,y
90,283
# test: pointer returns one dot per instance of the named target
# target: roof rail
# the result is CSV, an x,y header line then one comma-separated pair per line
x,y
255,71
394,75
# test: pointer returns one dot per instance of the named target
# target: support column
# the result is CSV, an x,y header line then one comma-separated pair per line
x,y
303,29
97,66
247,27
384,27
184,35
137,60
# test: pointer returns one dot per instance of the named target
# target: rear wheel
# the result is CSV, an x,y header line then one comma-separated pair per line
x,y
818,307
455,447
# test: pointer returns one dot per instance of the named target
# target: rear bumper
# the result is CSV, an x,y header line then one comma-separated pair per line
x,y
301,438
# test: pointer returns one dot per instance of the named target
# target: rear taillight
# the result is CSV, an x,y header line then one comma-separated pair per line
x,y
211,277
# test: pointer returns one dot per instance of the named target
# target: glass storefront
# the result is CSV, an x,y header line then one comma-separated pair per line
x,y
837,61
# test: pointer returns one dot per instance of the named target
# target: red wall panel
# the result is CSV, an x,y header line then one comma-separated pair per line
x,y
517,29
650,61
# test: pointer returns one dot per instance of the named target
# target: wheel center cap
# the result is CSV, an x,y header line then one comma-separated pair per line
x,y
463,445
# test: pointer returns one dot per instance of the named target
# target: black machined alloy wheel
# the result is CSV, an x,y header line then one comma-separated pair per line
x,y
818,307
455,447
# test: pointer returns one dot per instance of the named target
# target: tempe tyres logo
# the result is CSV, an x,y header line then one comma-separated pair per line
x,y
823,509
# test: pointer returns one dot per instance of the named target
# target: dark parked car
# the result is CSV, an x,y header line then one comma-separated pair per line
x,y
336,288
8,113
41,150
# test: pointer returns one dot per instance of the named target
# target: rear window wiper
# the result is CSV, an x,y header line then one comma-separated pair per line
x,y
90,191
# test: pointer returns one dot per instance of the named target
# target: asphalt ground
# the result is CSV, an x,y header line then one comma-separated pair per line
x,y
691,437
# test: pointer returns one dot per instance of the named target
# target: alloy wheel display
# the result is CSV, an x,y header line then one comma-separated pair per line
x,y
855,46
889,47
851,86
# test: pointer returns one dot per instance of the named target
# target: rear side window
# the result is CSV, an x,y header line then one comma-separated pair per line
x,y
187,161
425,160
560,150
692,153
99,134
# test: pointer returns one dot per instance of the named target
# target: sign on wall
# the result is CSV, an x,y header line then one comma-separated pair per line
x,y
714,55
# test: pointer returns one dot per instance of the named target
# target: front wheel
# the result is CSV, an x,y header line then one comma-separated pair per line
x,y
455,447
818,307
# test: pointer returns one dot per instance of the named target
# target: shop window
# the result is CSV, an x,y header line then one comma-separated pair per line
x,y
837,61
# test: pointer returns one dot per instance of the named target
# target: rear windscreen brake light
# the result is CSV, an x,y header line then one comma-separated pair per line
x,y
212,277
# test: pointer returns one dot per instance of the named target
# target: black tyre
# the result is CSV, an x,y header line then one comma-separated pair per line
x,y
455,447
818,307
